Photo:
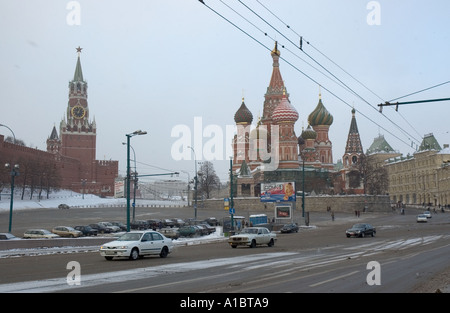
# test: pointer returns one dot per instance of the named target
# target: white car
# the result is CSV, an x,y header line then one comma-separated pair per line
x,y
422,218
253,236
427,214
39,233
137,244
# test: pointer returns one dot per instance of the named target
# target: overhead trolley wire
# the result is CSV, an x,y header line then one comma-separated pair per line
x,y
296,68
346,86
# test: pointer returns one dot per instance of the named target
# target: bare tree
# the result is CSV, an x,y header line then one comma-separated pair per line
x,y
207,178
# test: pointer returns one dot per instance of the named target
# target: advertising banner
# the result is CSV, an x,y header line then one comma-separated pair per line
x,y
278,192
283,211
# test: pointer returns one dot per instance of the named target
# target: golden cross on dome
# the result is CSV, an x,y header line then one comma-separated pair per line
x,y
79,50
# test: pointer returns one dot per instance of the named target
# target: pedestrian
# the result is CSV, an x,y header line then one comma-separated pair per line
x,y
358,212
332,216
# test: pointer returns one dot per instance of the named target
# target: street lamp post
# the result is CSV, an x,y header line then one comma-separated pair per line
x,y
135,180
135,133
14,172
195,183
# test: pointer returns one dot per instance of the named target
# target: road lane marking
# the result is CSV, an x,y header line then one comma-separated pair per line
x,y
333,279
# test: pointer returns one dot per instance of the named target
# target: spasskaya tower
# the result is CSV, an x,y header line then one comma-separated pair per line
x,y
78,133
75,149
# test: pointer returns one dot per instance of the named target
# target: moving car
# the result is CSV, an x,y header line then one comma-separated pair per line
x,y
39,233
427,214
253,236
422,218
289,228
137,244
66,231
360,230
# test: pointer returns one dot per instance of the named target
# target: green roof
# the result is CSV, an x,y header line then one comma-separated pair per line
x,y
380,145
429,142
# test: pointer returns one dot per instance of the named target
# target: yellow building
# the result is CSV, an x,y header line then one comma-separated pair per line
x,y
423,178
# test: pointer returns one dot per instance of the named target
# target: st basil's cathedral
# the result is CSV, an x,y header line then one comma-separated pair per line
x,y
272,152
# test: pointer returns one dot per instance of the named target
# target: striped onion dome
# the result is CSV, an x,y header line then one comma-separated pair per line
x,y
284,112
243,114
320,115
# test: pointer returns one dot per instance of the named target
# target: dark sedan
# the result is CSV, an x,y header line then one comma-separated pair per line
x,y
361,230
87,230
289,228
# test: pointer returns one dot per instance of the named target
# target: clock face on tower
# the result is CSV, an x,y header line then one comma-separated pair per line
x,y
78,112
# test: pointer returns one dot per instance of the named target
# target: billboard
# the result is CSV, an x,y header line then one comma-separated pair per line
x,y
283,211
278,192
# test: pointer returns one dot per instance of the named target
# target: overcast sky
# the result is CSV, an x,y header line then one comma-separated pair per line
x,y
160,65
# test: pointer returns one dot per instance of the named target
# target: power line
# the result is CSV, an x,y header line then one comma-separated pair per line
x,y
350,89
296,68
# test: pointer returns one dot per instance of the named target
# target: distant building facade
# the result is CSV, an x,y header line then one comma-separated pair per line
x,y
422,178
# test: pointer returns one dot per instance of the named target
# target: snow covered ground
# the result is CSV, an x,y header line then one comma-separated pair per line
x,y
72,199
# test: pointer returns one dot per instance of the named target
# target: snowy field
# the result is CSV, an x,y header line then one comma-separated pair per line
x,y
72,199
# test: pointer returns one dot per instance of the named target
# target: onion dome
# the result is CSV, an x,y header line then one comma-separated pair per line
x,y
309,133
243,115
320,115
284,112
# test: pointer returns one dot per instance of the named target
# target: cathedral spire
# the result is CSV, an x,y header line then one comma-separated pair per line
x,y
353,141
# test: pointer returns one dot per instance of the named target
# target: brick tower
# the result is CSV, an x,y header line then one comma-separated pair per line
x,y
77,132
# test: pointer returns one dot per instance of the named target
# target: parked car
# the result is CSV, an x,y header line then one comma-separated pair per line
x,y
87,230
114,229
178,222
67,231
210,229
427,214
252,236
137,244
212,221
360,230
63,206
122,226
155,224
139,225
8,236
39,233
170,232
422,218
100,228
187,231
289,228
201,230
168,223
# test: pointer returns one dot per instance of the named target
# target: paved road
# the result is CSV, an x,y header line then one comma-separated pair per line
x,y
317,259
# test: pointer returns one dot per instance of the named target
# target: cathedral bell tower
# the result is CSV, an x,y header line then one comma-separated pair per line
x,y
78,133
